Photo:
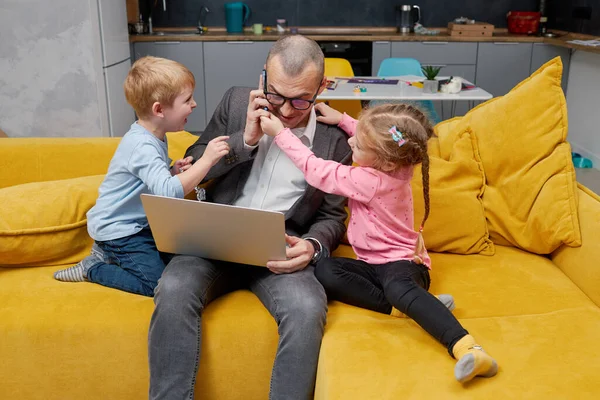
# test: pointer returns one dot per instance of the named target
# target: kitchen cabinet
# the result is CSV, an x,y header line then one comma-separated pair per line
x,y
502,65
381,51
233,63
189,54
437,53
543,52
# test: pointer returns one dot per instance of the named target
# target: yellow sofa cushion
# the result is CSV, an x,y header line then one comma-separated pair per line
x,y
530,199
456,222
45,224
55,335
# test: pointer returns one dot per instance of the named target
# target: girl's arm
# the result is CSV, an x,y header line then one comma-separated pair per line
x,y
348,124
356,183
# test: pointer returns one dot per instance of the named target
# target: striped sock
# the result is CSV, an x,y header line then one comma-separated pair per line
x,y
78,272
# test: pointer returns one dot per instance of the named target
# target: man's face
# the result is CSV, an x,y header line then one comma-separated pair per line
x,y
303,86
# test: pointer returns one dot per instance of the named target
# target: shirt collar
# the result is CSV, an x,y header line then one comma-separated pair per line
x,y
309,130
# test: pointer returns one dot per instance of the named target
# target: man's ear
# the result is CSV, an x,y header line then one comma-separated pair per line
x,y
157,109
323,84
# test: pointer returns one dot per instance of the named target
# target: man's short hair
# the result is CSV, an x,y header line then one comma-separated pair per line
x,y
295,52
154,79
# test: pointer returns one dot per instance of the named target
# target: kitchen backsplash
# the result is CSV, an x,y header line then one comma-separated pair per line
x,y
572,15
335,12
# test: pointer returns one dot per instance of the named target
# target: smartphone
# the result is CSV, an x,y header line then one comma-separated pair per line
x,y
264,79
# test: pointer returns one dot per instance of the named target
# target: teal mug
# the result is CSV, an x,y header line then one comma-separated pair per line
x,y
236,15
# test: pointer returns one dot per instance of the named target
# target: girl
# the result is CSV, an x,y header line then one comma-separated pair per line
x,y
391,274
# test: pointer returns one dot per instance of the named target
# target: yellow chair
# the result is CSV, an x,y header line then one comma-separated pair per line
x,y
341,67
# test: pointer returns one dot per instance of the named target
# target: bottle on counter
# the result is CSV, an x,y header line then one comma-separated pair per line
x,y
281,25
543,18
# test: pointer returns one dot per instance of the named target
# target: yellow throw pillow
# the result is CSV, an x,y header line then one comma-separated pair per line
x,y
456,222
45,223
531,194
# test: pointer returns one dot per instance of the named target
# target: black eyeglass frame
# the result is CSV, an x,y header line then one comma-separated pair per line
x,y
290,99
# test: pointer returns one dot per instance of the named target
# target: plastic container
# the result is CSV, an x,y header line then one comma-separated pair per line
x,y
525,22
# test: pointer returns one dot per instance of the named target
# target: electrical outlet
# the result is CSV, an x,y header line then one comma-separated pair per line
x,y
582,12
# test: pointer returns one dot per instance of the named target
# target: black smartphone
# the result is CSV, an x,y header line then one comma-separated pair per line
x,y
264,79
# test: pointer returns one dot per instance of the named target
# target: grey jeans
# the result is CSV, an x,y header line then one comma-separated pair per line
x,y
297,301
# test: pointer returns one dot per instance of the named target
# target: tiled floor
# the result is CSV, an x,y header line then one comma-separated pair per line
x,y
589,177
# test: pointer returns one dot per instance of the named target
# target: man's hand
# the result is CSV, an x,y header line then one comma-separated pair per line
x,y
215,149
181,165
299,254
329,115
256,104
271,125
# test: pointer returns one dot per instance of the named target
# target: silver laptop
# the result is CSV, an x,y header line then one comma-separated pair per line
x,y
215,231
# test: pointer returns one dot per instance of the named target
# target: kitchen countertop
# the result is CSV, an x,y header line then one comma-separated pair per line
x,y
219,34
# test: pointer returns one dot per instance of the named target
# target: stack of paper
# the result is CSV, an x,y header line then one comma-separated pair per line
x,y
593,43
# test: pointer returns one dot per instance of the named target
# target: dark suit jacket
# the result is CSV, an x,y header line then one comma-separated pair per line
x,y
315,214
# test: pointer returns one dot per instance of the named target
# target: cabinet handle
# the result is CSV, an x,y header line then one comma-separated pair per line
x,y
381,42
506,43
434,42
240,42
168,42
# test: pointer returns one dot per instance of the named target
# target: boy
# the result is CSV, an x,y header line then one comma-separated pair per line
x,y
124,255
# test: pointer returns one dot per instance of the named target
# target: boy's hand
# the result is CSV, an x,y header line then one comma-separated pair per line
x,y
181,165
216,149
271,125
328,115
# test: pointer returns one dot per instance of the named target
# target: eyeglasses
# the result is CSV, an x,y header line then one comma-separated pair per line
x,y
278,100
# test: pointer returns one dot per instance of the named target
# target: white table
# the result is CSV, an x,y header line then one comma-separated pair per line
x,y
399,91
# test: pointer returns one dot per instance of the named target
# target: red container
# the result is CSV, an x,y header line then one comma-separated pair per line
x,y
526,22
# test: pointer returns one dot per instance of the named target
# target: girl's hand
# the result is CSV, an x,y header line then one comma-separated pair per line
x,y
181,165
271,125
328,115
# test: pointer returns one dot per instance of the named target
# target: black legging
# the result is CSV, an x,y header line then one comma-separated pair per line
x,y
401,284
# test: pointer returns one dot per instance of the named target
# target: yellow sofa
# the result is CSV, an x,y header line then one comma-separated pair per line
x,y
538,315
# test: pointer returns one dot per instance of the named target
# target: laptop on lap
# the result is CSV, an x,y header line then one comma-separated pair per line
x,y
215,231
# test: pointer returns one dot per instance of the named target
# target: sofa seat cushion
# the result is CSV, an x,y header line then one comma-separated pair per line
x,y
365,355
85,341
511,282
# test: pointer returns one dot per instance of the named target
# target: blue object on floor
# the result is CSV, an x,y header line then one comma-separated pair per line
x,y
581,162
396,66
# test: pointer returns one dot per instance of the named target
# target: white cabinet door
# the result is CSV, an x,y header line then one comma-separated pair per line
x,y
113,30
120,113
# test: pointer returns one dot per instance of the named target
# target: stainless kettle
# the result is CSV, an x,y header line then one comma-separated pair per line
x,y
407,16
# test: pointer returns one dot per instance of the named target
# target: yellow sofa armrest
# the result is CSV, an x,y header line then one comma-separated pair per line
x,y
26,160
582,264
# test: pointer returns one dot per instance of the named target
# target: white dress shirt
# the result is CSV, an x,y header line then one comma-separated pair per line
x,y
275,183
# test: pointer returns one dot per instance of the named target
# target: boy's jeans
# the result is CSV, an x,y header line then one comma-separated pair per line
x,y
132,263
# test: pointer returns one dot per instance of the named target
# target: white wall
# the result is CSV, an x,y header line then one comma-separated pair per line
x,y
583,102
50,69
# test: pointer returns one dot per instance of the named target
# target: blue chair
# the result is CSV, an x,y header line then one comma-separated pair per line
x,y
408,66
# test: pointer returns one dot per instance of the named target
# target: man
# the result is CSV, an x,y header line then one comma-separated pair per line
x,y
257,174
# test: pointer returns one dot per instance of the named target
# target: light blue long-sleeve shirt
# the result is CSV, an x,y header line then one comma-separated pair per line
x,y
140,165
